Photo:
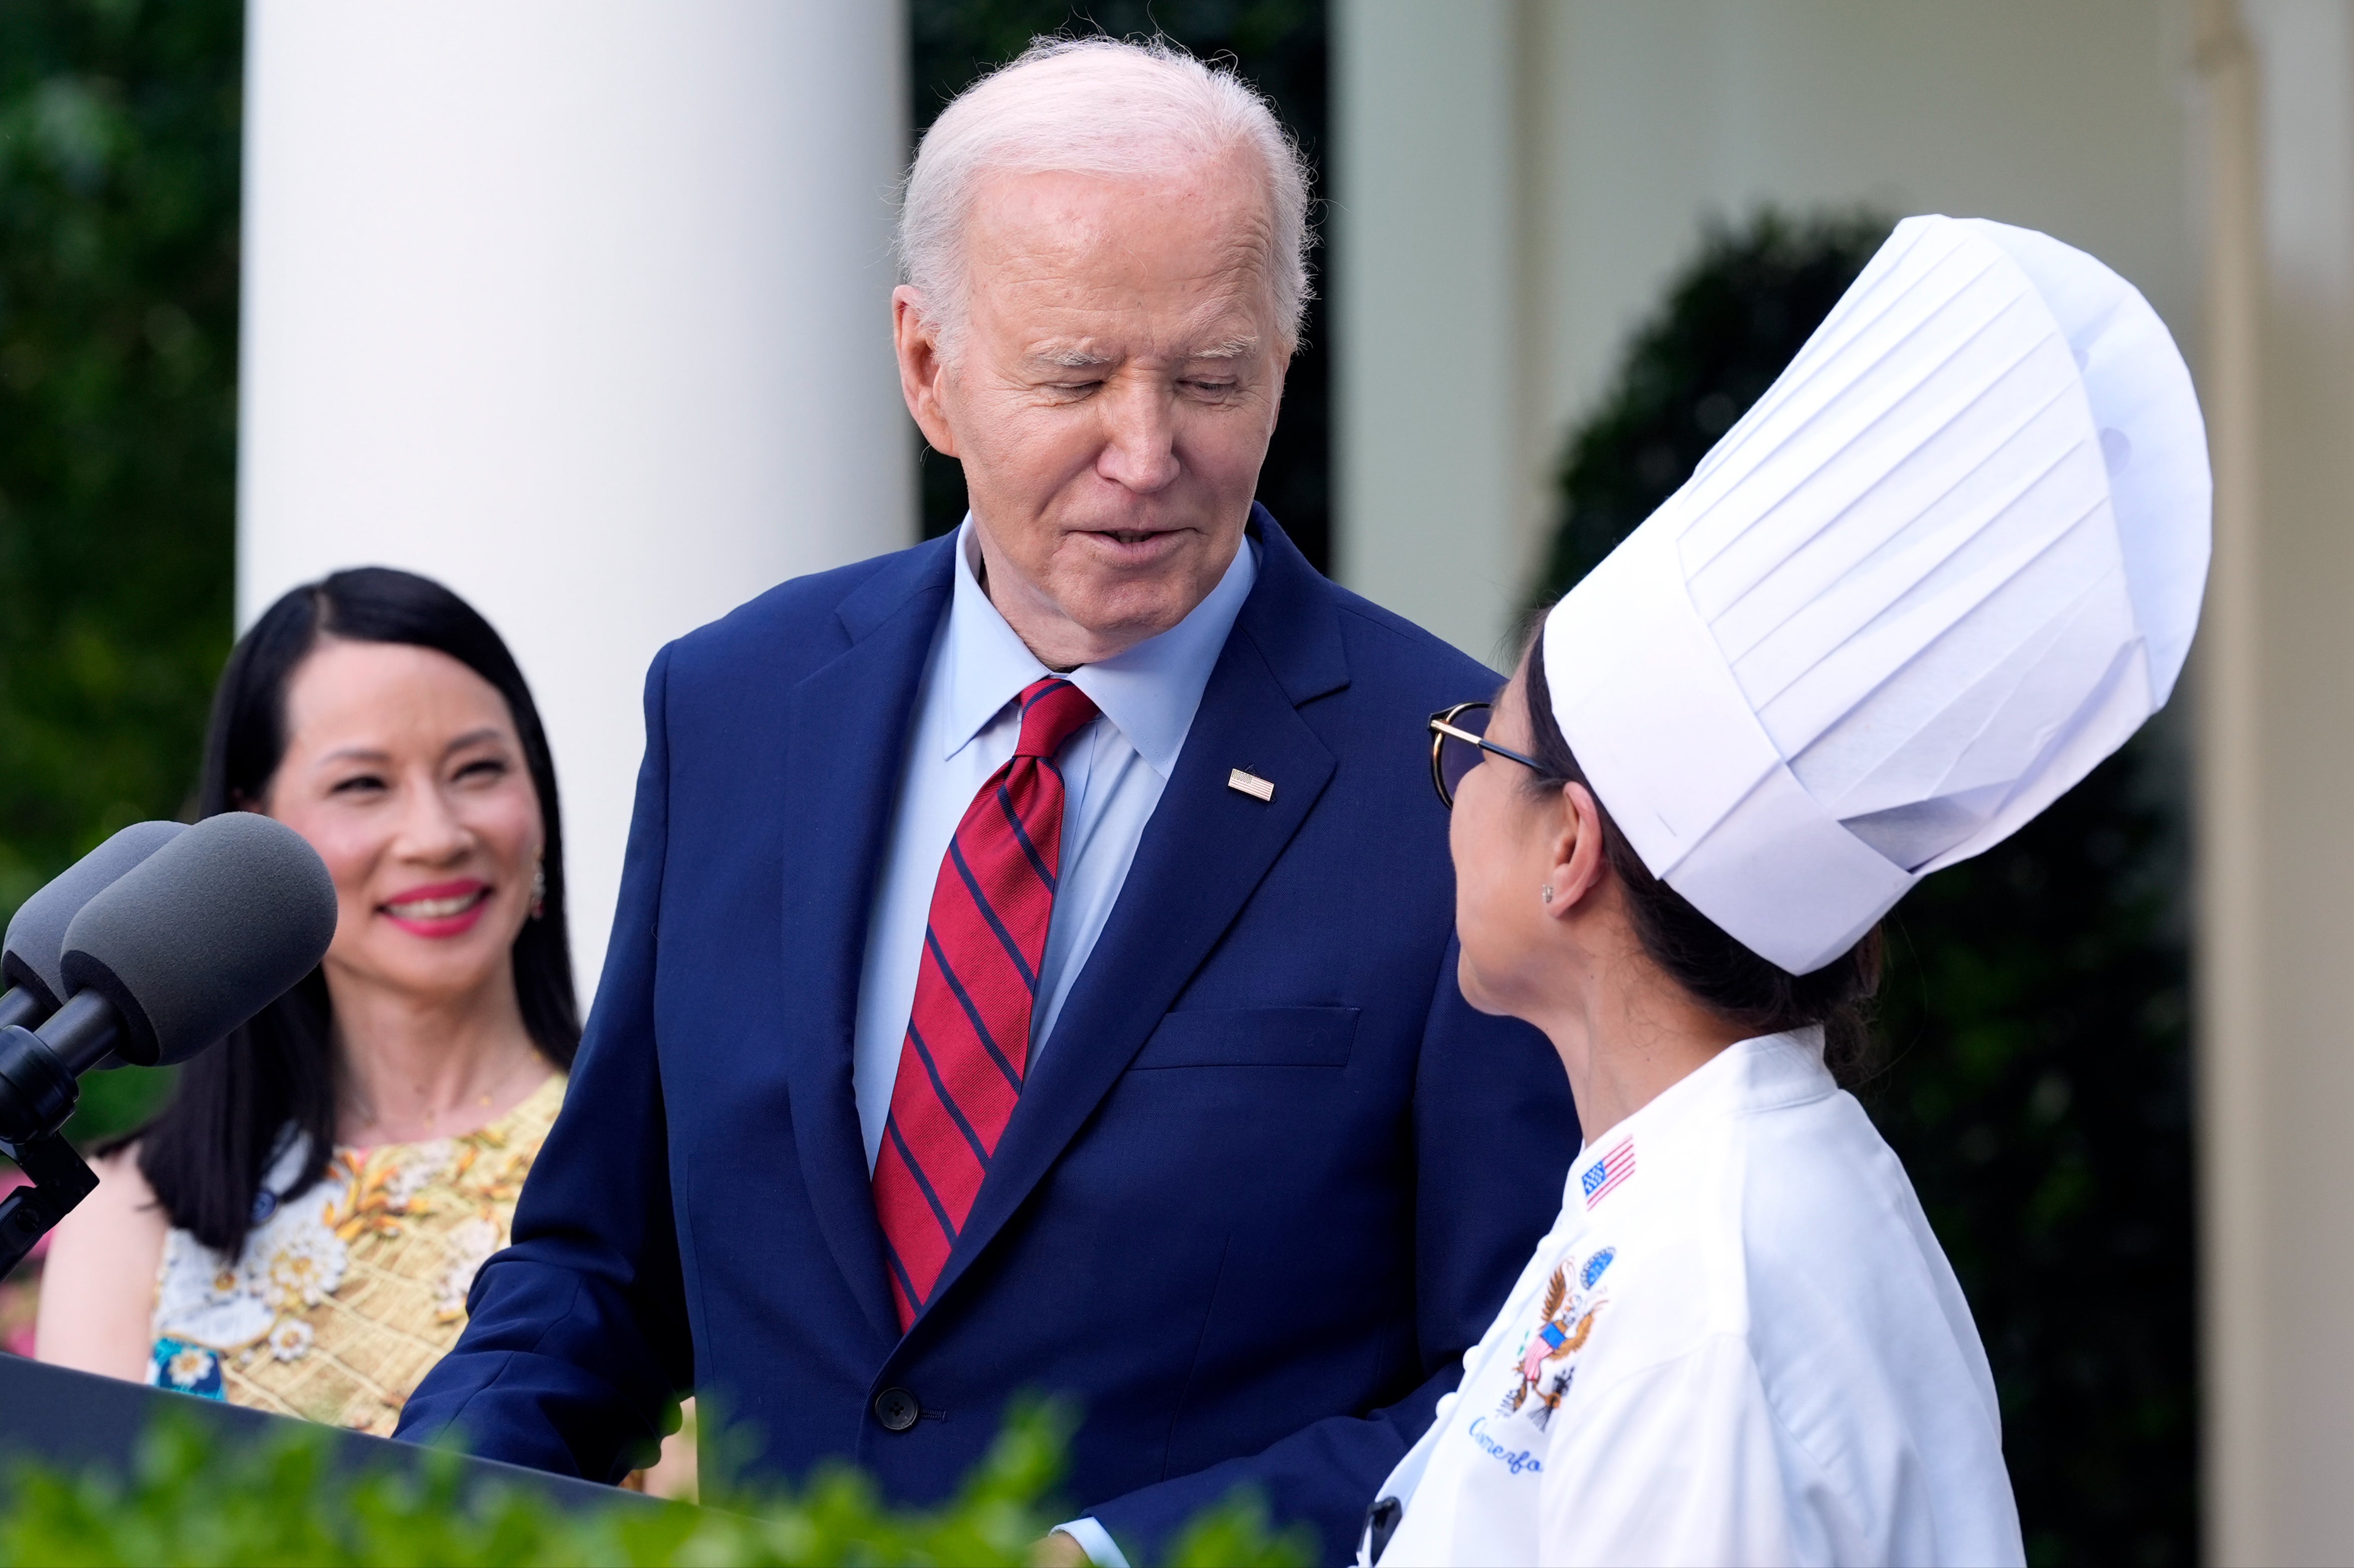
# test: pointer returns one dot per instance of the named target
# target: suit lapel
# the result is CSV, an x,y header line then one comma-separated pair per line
x,y
846,745
1205,852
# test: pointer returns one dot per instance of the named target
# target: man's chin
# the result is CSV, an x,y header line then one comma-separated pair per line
x,y
1118,592
1118,613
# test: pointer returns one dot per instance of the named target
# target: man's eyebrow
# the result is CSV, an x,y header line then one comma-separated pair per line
x,y
1081,359
1071,358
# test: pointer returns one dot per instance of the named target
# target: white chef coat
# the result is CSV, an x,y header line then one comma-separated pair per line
x,y
1740,1343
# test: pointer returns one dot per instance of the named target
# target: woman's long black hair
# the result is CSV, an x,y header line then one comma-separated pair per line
x,y
1697,953
207,1153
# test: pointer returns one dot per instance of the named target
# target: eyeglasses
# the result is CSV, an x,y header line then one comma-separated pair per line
x,y
1457,736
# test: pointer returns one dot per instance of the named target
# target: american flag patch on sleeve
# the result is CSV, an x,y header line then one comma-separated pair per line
x,y
1608,1172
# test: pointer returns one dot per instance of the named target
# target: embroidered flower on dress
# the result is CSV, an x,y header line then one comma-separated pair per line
x,y
469,1244
291,1339
185,1369
199,1302
425,1162
394,1235
306,1266
294,1261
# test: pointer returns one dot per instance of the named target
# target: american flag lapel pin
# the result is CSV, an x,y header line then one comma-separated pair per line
x,y
1251,784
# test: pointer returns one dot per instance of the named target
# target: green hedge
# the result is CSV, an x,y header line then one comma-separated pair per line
x,y
188,1502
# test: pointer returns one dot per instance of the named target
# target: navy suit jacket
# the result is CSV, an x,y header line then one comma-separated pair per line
x,y
1268,1180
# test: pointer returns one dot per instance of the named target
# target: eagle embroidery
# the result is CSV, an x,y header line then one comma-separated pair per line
x,y
1567,1319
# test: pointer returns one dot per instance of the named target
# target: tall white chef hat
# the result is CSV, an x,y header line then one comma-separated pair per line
x,y
1947,563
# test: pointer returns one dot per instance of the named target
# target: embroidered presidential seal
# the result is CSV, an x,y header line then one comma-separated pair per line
x,y
1548,1358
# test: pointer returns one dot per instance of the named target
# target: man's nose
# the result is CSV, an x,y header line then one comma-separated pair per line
x,y
1139,449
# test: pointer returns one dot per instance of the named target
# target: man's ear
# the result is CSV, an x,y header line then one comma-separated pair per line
x,y
1577,854
922,367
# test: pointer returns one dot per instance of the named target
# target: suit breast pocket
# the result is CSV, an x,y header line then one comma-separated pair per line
x,y
1251,1037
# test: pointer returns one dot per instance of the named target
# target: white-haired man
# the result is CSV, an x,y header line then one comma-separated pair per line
x,y
1002,997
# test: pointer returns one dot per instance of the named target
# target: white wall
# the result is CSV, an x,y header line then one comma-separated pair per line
x,y
581,306
1518,179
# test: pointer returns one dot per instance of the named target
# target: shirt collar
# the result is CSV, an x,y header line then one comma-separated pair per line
x,y
1763,1073
1149,693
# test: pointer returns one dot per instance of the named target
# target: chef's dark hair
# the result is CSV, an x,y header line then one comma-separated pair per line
x,y
207,1153
1721,975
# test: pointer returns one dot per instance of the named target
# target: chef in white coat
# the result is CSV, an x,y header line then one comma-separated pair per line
x,y
1950,561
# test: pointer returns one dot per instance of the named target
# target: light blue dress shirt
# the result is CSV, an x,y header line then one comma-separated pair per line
x,y
1113,772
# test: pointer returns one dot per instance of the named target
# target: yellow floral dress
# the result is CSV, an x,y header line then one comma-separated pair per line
x,y
345,1294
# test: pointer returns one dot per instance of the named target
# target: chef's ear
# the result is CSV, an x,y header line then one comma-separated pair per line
x,y
1578,859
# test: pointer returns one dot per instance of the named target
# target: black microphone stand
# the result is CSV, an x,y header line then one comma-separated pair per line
x,y
39,1087
61,1179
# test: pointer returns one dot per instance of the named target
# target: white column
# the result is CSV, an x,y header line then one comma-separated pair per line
x,y
1430,479
581,306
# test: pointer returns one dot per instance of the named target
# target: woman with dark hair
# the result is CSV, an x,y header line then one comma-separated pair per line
x,y
298,1228
1946,564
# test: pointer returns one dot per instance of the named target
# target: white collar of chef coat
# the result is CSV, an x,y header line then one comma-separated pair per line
x,y
1763,1073
1148,693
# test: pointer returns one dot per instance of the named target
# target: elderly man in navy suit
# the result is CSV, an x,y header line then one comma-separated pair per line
x,y
1034,965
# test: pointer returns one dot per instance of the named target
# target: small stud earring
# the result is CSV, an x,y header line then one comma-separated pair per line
x,y
1547,894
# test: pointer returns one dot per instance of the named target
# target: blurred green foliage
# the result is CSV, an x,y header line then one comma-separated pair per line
x,y
192,1501
2034,1071
1277,46
118,125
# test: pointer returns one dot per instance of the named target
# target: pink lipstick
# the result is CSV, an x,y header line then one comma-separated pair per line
x,y
441,909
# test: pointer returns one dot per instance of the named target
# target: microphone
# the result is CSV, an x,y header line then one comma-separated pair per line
x,y
205,932
37,934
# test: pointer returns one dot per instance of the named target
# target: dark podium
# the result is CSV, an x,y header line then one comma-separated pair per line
x,y
75,1421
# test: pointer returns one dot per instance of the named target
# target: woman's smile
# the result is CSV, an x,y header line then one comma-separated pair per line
x,y
442,909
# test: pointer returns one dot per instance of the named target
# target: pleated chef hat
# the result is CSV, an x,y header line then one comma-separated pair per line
x,y
1947,563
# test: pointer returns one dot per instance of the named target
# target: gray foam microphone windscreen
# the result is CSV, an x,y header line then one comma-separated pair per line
x,y
212,929
37,934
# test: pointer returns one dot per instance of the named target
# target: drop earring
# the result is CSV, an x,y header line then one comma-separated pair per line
x,y
1547,893
539,889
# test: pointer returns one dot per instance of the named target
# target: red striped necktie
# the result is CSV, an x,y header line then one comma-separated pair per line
x,y
968,1047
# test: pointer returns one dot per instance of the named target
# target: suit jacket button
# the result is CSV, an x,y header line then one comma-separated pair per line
x,y
896,1409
